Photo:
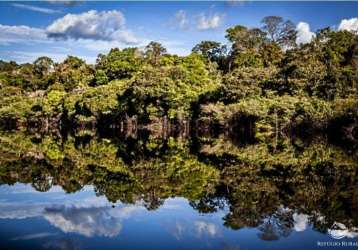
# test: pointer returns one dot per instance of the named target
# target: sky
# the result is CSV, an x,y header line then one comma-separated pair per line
x,y
56,29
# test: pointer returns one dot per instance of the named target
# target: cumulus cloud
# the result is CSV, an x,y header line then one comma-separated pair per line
x,y
35,8
207,22
10,34
104,25
304,34
181,19
349,24
91,25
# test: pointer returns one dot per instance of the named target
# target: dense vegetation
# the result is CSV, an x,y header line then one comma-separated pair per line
x,y
263,78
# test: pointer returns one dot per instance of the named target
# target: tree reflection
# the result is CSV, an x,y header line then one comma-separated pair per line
x,y
277,225
277,186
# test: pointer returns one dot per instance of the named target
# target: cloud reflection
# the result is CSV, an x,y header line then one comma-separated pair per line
x,y
85,221
206,228
300,222
34,236
91,221
86,215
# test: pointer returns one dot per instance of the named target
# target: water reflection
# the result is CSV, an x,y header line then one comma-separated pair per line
x,y
203,187
90,221
88,216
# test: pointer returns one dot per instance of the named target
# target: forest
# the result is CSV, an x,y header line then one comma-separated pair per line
x,y
262,81
260,128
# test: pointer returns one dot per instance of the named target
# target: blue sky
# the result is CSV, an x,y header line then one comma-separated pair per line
x,y
57,29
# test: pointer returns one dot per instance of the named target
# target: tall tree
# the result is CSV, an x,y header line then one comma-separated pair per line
x,y
117,64
153,51
212,51
246,44
73,73
280,31
244,38
43,65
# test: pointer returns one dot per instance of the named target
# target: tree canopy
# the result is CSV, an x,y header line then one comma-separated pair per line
x,y
149,83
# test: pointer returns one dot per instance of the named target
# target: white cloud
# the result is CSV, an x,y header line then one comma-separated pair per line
x,y
175,47
304,34
178,231
181,19
35,8
83,35
104,25
206,22
88,217
27,56
349,24
19,210
84,221
300,222
91,221
203,227
10,34
125,36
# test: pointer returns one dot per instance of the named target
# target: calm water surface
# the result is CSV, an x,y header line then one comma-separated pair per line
x,y
171,194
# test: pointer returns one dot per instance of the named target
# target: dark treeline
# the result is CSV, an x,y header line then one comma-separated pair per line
x,y
263,76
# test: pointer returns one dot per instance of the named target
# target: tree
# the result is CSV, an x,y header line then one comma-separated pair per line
x,y
6,69
245,82
168,90
244,38
117,64
245,46
280,31
153,51
73,72
212,51
7,66
43,65
271,54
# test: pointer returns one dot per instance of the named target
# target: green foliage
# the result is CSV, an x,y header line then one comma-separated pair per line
x,y
274,114
245,82
118,64
72,73
263,68
96,100
214,52
153,52
170,88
